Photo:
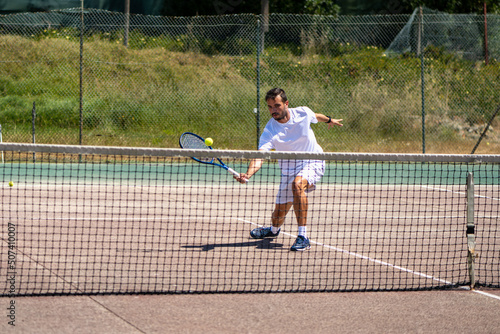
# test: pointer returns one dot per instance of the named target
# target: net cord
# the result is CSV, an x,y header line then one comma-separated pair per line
x,y
243,154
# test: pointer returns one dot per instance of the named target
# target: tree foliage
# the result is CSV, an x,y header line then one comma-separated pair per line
x,y
321,7
456,6
221,7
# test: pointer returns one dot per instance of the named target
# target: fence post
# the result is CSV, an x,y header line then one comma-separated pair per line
x,y
127,23
422,78
260,41
1,140
485,35
33,119
82,23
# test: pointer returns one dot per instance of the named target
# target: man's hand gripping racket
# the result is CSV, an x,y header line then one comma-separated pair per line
x,y
190,140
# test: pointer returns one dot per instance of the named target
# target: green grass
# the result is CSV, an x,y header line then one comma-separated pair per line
x,y
159,87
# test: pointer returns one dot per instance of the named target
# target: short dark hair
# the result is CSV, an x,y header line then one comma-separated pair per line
x,y
275,92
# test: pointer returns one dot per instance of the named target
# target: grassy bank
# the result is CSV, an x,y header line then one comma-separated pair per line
x,y
149,93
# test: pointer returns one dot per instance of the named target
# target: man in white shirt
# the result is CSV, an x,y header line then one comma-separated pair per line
x,y
290,130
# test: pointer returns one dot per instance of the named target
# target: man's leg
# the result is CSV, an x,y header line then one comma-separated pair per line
x,y
277,219
279,214
300,206
300,203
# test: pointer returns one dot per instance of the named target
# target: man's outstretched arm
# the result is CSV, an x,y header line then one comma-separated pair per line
x,y
253,168
330,121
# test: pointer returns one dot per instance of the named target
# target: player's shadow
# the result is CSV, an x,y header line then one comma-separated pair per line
x,y
259,244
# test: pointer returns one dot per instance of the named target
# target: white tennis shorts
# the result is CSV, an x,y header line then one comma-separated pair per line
x,y
312,172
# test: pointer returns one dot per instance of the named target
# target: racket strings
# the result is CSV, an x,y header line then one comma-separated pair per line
x,y
193,142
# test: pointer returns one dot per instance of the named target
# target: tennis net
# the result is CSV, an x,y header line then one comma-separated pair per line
x,y
106,220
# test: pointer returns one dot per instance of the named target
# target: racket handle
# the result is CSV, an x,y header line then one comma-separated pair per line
x,y
235,173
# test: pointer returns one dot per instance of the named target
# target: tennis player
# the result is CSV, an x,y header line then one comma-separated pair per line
x,y
290,130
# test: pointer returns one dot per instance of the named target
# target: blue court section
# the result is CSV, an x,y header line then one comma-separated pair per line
x,y
191,173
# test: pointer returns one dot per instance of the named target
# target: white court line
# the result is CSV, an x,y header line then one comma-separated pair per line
x,y
364,257
461,193
123,219
481,292
477,196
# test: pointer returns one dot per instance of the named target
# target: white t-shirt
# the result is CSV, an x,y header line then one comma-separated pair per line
x,y
294,135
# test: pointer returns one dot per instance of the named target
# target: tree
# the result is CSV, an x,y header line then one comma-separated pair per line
x,y
455,6
220,7
321,7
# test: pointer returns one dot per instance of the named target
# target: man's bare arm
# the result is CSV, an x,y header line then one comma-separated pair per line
x,y
253,167
330,121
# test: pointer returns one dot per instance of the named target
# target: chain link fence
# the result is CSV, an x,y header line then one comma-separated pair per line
x,y
402,83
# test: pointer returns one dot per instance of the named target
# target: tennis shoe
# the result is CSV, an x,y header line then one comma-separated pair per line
x,y
301,244
263,232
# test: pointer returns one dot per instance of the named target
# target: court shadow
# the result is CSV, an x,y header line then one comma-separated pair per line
x,y
259,244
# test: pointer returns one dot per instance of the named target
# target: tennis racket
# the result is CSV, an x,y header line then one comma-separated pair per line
x,y
193,141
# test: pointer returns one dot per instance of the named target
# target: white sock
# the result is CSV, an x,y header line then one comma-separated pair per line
x,y
303,231
275,229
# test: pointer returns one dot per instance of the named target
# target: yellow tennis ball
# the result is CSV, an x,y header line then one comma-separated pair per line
x,y
11,184
209,141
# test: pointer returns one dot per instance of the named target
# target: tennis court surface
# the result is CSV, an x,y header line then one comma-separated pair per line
x,y
94,220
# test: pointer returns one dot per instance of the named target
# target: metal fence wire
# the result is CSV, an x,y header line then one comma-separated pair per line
x,y
428,81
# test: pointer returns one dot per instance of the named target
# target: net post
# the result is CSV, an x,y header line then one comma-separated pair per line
x,y
471,241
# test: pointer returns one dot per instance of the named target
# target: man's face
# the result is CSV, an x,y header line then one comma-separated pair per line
x,y
278,109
